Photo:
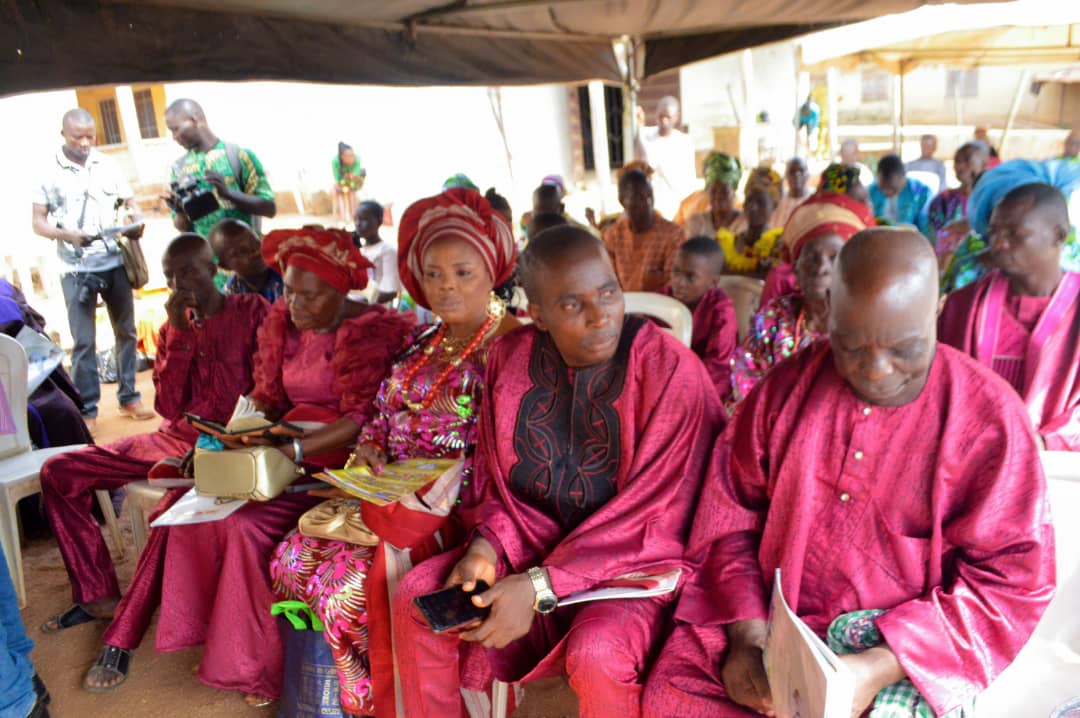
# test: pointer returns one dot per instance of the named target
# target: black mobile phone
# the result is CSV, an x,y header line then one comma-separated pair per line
x,y
452,607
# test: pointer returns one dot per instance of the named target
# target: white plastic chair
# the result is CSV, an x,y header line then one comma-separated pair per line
x,y
745,293
20,465
1045,673
670,311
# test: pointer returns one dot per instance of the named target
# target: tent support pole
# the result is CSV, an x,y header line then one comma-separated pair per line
x,y
898,112
1025,81
630,65
832,111
748,145
601,157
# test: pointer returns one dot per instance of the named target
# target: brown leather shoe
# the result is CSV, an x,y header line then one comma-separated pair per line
x,y
137,411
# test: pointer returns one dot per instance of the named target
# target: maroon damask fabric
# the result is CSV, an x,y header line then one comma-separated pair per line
x,y
567,432
934,511
664,417
1051,387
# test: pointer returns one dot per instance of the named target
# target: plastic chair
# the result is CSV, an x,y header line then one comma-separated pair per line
x,y
1044,674
141,500
745,293
20,464
672,312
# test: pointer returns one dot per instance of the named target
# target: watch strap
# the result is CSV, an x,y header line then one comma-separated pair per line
x,y
539,580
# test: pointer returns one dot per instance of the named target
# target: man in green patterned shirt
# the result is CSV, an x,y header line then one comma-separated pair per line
x,y
234,175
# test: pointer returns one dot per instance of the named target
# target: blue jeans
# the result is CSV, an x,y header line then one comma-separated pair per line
x,y
16,689
115,289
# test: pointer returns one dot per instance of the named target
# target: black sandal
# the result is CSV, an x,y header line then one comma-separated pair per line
x,y
113,662
76,615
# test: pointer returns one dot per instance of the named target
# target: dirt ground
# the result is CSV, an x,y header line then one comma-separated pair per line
x,y
160,684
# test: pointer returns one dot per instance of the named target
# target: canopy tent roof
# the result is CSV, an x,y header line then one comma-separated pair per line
x,y
66,43
1019,34
1065,75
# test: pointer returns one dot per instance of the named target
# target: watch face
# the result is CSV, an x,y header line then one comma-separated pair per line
x,y
546,605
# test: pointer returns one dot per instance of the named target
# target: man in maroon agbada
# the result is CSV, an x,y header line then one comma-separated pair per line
x,y
1023,320
204,361
592,441
878,470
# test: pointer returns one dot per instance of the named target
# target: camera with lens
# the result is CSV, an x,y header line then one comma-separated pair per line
x,y
195,199
90,285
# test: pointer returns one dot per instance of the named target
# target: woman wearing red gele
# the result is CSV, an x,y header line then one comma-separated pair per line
x,y
453,250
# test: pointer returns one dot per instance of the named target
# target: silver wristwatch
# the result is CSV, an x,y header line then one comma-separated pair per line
x,y
546,601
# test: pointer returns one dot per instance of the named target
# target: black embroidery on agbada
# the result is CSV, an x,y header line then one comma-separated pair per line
x,y
566,436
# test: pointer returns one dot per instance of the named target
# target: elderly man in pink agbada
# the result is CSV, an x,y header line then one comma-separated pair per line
x,y
1023,320
879,471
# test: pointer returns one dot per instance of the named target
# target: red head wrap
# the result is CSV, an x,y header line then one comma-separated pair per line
x,y
824,213
329,254
459,214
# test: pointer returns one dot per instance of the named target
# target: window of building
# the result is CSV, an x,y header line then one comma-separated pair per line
x,y
613,106
144,110
110,122
962,83
875,87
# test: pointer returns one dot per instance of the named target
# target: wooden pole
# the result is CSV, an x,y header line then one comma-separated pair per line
x,y
1025,81
600,141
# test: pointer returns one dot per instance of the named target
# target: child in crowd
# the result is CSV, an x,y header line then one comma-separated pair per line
x,y
383,256
695,279
238,249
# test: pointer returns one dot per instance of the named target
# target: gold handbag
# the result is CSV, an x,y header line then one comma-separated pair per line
x,y
337,520
259,473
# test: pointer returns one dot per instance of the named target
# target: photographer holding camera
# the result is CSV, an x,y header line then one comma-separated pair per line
x,y
215,179
83,203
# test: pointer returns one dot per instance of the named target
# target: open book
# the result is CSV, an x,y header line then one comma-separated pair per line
x,y
246,420
806,678
630,586
396,480
194,508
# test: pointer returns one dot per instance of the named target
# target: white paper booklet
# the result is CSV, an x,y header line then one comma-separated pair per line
x,y
42,356
634,585
194,508
806,678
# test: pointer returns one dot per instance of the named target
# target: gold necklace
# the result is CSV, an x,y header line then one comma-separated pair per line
x,y
496,310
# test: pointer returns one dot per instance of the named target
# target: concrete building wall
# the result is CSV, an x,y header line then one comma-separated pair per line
x,y
927,100
716,96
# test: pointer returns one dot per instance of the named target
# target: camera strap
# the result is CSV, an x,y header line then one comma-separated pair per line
x,y
85,199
